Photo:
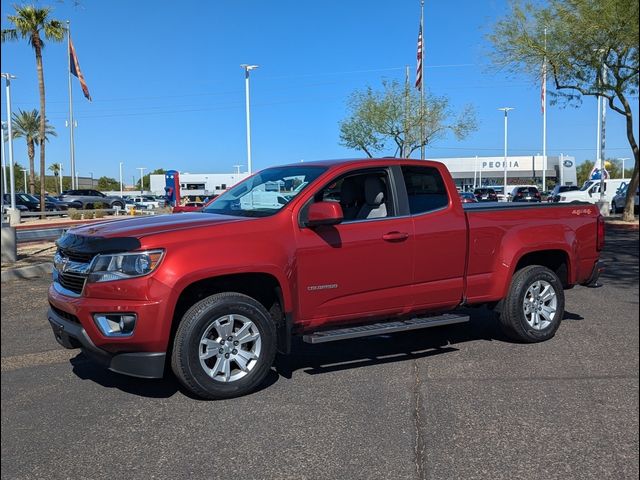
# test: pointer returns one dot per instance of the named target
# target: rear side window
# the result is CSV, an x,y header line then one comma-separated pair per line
x,y
425,189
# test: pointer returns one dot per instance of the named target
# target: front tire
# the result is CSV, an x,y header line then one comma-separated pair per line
x,y
534,306
224,347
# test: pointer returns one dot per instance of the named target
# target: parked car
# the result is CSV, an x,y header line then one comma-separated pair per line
x,y
188,207
61,204
485,195
32,203
554,195
618,202
90,198
467,197
146,201
590,191
215,294
525,194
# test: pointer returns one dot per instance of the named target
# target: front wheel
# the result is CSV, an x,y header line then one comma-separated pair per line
x,y
224,346
534,306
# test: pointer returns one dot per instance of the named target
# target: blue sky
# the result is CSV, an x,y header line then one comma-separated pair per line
x,y
168,90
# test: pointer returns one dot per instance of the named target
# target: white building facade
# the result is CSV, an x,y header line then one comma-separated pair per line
x,y
199,184
467,172
526,169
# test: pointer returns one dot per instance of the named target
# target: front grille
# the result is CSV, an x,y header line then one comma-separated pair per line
x,y
65,315
72,281
77,256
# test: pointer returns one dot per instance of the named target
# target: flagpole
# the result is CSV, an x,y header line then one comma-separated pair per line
x,y
422,82
544,116
72,152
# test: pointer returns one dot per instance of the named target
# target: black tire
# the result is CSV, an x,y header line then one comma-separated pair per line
x,y
88,206
512,318
120,205
185,361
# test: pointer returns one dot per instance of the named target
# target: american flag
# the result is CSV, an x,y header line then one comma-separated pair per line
x,y
419,64
543,93
75,70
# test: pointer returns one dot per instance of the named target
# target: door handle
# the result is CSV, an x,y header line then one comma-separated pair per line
x,y
395,236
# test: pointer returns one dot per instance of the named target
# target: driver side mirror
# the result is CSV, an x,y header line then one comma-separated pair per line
x,y
324,213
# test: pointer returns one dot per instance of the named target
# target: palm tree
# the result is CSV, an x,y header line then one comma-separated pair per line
x,y
30,22
55,169
27,126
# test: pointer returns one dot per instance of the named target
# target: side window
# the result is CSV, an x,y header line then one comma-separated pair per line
x,y
425,189
362,195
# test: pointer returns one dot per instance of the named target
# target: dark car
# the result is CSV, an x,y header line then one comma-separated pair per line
x,y
60,204
90,198
525,194
31,202
554,195
468,197
485,195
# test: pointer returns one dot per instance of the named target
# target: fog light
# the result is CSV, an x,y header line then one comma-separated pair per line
x,y
115,324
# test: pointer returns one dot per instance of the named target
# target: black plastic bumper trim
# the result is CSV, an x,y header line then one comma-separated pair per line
x,y
136,364
598,267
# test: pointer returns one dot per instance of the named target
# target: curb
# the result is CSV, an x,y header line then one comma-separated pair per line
x,y
32,271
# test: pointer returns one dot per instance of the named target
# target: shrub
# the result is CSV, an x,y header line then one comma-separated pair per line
x,y
74,214
99,214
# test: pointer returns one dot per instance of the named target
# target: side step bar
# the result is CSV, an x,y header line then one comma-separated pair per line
x,y
384,327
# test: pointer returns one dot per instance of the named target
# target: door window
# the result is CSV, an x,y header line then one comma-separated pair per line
x,y
426,191
363,195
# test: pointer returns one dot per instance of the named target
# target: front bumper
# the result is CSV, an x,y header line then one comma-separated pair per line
x,y
70,335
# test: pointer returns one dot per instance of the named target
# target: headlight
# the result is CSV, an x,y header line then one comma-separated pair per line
x,y
120,266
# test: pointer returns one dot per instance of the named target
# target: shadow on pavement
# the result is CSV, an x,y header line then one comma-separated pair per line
x,y
165,387
620,258
324,358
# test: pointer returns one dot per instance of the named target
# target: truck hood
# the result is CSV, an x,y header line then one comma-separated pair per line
x,y
154,224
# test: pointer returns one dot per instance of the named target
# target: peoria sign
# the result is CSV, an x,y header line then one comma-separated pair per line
x,y
497,164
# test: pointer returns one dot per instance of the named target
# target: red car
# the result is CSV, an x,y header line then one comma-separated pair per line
x,y
466,197
323,250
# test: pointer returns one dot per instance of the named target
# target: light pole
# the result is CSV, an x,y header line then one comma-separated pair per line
x,y
506,129
247,69
622,159
142,169
4,167
12,181
121,189
25,180
60,168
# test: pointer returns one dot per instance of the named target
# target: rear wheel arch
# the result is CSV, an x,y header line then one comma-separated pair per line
x,y
556,260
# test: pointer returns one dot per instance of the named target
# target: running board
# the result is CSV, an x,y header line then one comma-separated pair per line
x,y
383,328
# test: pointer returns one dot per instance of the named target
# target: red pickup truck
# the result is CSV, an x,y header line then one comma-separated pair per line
x,y
326,250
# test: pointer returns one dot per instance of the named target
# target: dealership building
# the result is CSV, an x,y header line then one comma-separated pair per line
x,y
521,170
466,172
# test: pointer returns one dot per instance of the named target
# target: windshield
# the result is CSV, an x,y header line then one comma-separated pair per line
x,y
264,193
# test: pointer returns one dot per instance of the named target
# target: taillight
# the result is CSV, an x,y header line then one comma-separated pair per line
x,y
601,232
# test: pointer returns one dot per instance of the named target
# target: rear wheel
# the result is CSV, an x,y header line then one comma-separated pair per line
x,y
224,346
117,204
534,306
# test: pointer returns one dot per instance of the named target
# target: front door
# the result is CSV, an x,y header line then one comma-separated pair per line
x,y
362,266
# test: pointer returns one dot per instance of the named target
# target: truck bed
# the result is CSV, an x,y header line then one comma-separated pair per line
x,y
501,233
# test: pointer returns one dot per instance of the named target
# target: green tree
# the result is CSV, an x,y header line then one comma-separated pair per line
x,y
591,47
108,183
583,170
30,23
391,119
147,178
27,125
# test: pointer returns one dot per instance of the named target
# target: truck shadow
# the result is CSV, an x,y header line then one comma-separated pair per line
x,y
324,358
398,347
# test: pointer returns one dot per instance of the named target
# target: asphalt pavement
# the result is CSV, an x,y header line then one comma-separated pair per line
x,y
443,403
